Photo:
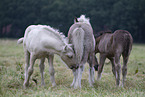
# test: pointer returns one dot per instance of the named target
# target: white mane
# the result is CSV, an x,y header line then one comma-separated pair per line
x,y
54,32
83,19
49,30
58,34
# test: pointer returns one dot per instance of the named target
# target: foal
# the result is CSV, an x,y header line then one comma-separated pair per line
x,y
40,42
81,37
112,46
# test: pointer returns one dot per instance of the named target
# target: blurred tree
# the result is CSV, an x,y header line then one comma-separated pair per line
x,y
16,15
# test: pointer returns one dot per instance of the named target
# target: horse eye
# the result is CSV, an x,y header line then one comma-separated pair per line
x,y
71,67
70,56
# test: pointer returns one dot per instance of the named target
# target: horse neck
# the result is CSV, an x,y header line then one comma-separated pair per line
x,y
59,48
55,33
104,42
61,39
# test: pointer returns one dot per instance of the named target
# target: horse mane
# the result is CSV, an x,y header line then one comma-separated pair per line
x,y
52,31
83,19
100,33
56,32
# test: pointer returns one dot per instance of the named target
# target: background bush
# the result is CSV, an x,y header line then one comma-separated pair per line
x,y
16,15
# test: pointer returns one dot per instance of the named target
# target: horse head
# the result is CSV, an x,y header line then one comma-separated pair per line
x,y
82,19
68,56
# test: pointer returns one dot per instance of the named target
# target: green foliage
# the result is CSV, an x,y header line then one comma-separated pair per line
x,y
104,14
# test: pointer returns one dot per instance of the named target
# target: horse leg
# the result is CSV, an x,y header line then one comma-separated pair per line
x,y
75,72
91,61
113,66
41,67
51,69
80,71
118,69
124,69
30,69
96,64
78,77
27,60
102,60
74,79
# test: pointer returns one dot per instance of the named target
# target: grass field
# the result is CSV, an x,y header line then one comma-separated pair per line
x,y
12,76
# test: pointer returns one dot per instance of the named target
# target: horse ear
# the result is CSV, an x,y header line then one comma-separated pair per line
x,y
65,48
76,20
66,39
98,40
70,45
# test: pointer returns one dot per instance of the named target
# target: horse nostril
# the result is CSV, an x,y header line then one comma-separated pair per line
x,y
96,67
77,67
71,67
74,67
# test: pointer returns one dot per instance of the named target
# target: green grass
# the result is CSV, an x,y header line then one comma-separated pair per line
x,y
12,76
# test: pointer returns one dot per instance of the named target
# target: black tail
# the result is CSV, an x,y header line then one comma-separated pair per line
x,y
128,45
96,67
96,64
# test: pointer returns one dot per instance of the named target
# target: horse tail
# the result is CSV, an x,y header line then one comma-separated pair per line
x,y
20,40
128,45
28,29
78,42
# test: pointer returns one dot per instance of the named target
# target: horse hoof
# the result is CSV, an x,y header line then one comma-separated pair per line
x,y
25,85
93,81
98,78
72,85
96,67
76,87
42,85
54,84
91,85
117,86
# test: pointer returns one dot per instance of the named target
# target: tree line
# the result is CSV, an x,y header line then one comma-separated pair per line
x,y
16,15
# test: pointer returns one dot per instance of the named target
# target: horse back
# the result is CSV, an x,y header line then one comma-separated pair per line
x,y
86,45
104,43
123,40
39,38
88,34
